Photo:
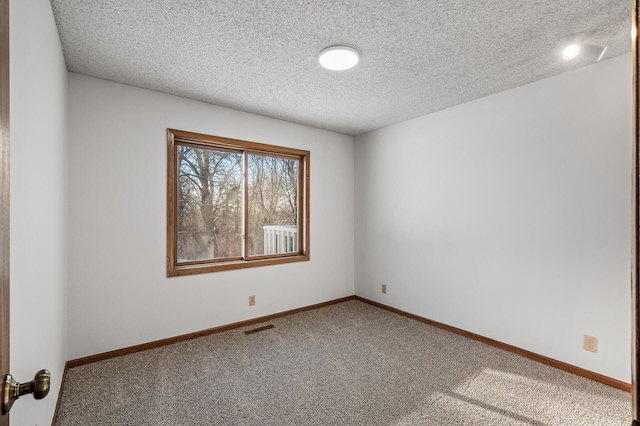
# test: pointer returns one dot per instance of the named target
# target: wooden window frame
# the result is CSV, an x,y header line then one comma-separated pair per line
x,y
198,140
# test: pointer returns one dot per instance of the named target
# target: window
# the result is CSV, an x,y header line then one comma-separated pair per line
x,y
234,204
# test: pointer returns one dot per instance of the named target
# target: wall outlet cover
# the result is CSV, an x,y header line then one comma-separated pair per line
x,y
590,343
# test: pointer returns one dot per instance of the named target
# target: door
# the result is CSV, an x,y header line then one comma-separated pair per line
x,y
10,390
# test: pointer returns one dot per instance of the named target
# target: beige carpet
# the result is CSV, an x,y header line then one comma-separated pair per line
x,y
346,364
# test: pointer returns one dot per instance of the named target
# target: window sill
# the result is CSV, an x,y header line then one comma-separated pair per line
x,y
179,270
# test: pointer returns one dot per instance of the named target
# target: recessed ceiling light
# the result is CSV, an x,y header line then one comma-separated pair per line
x,y
570,52
338,58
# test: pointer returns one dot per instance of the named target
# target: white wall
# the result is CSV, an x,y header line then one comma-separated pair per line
x,y
509,216
119,294
38,203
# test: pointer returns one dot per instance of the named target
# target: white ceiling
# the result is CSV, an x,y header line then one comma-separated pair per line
x,y
260,56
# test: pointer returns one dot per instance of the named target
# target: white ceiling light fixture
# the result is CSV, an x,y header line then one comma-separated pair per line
x,y
573,45
571,51
338,58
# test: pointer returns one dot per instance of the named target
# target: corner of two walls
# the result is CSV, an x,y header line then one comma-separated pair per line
x,y
509,216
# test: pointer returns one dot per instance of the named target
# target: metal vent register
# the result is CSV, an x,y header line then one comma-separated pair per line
x,y
256,330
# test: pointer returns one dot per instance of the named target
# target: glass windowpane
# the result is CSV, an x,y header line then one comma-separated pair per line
x,y
209,203
272,217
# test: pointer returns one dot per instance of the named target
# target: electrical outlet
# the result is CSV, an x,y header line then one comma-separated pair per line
x,y
384,288
590,343
252,300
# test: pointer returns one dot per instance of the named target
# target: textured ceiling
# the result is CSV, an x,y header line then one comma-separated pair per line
x,y
417,56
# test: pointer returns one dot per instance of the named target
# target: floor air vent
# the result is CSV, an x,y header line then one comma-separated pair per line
x,y
256,330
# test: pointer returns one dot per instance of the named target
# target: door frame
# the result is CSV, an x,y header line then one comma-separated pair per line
x,y
4,194
635,220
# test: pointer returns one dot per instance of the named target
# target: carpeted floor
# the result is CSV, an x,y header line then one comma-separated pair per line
x,y
346,364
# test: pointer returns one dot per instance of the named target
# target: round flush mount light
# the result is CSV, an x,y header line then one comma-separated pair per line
x,y
570,52
570,46
338,58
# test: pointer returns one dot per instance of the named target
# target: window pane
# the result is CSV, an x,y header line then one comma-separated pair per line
x,y
272,217
209,204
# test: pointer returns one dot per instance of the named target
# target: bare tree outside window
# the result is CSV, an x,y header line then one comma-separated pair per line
x,y
209,204
234,204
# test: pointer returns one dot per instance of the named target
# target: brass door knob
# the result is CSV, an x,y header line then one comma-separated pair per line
x,y
12,390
